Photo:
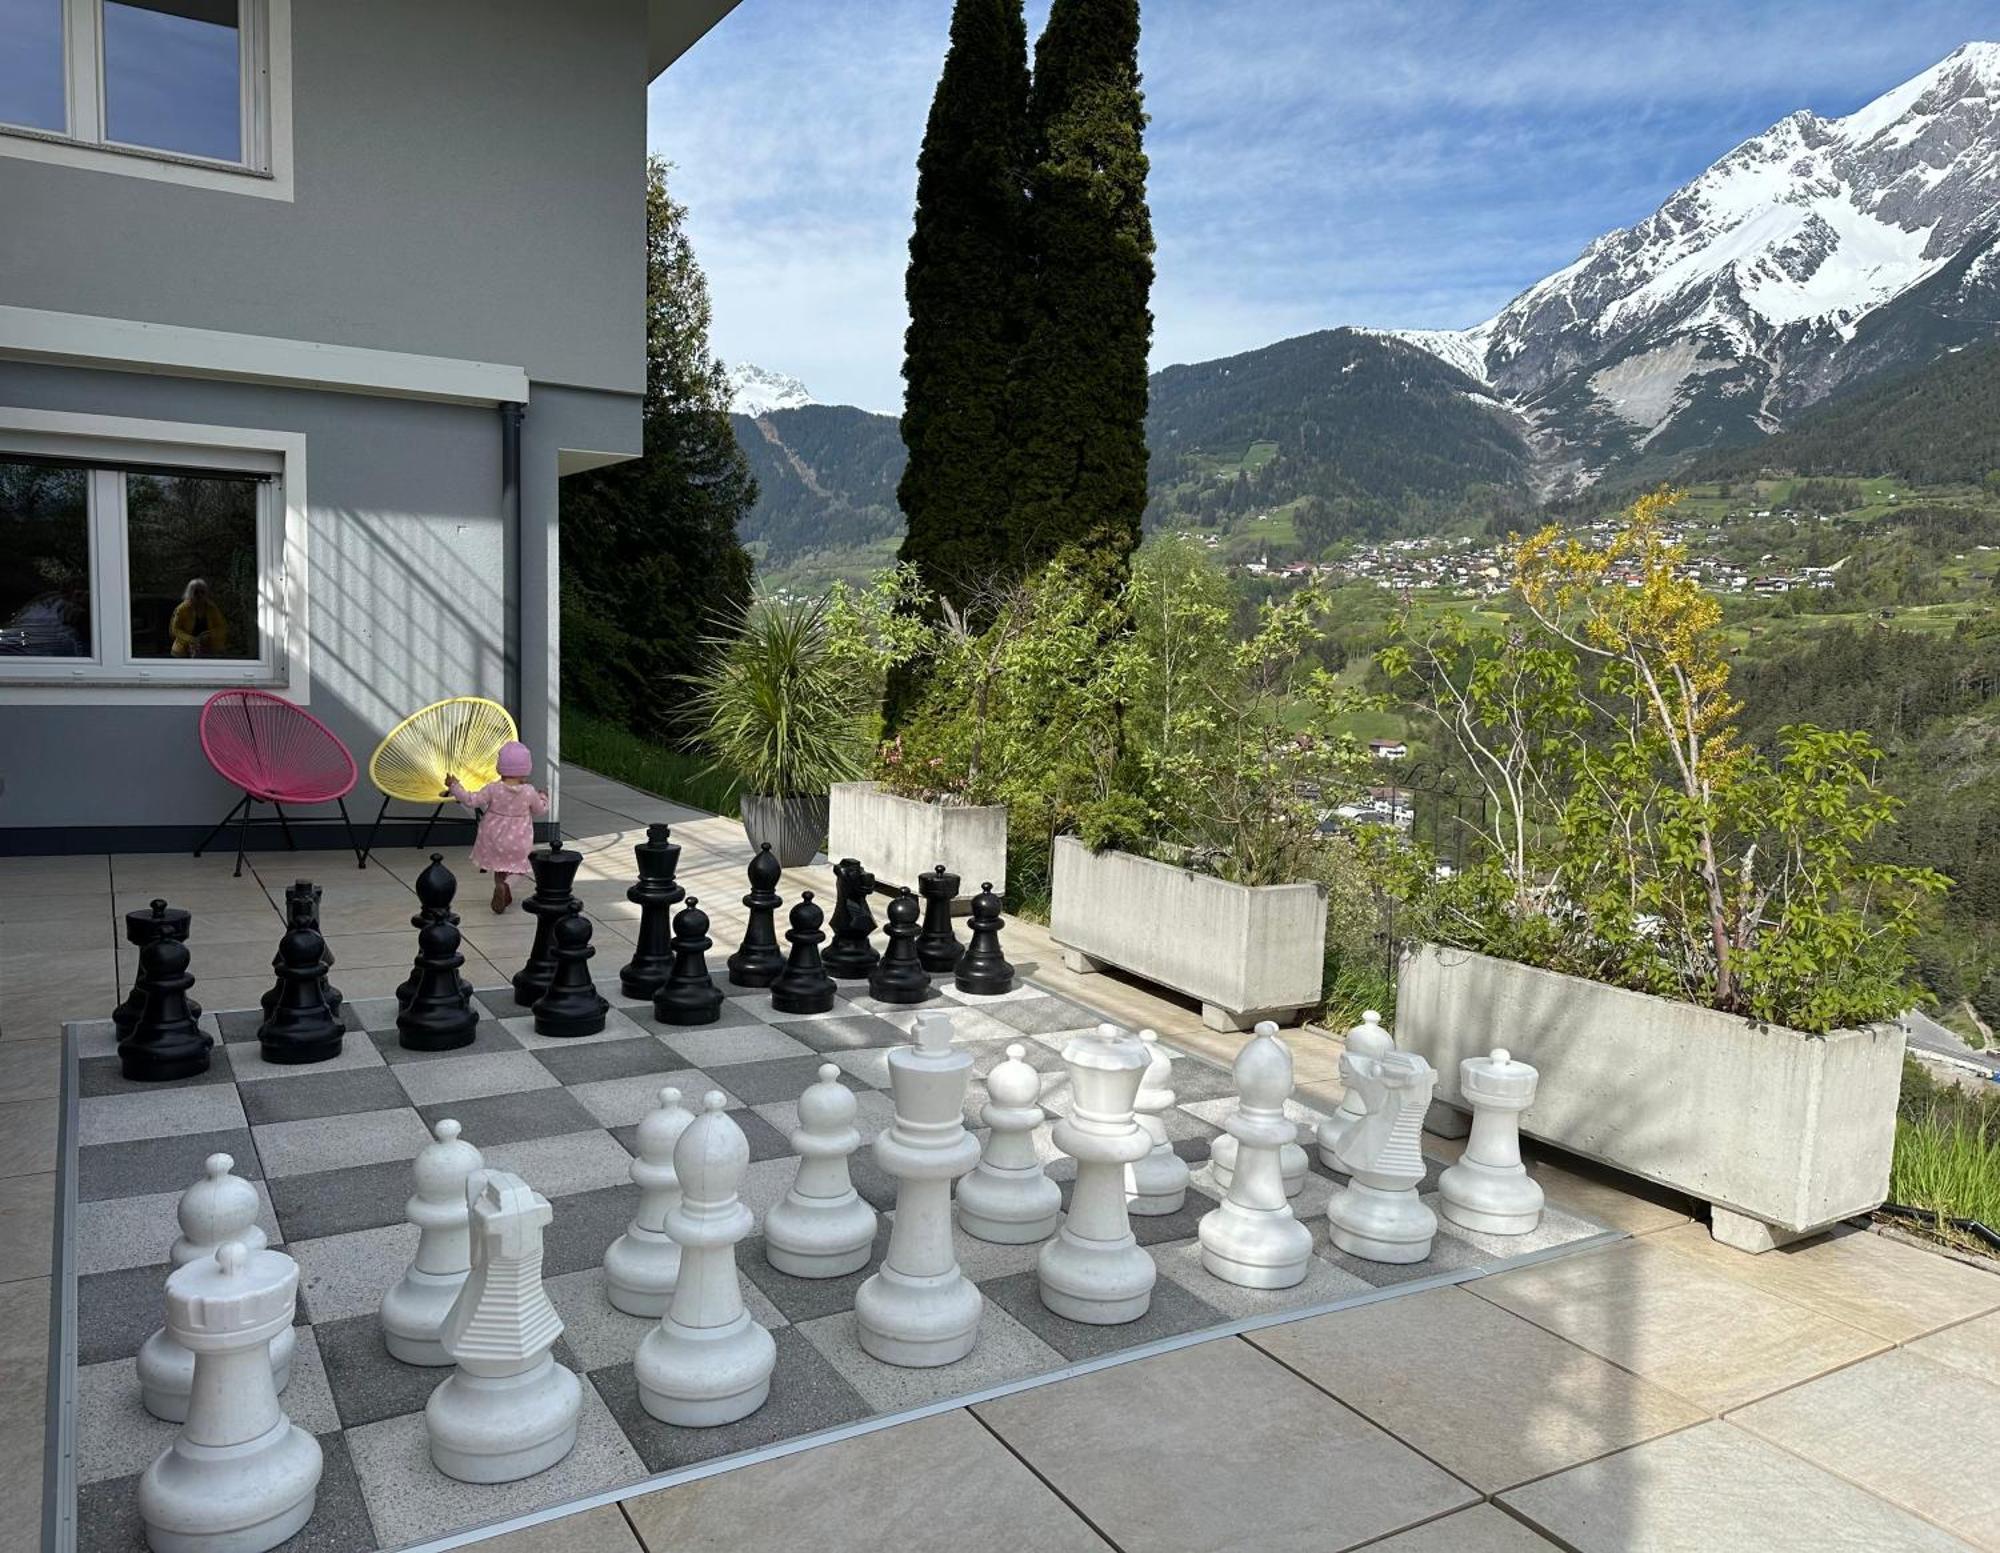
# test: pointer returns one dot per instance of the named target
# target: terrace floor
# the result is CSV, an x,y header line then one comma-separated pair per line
x,y
1661,1392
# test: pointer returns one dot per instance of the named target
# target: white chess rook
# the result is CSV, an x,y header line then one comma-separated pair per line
x,y
1094,1270
642,1265
218,1208
1009,1199
1253,1239
1379,1215
706,1362
1158,1183
240,1477
822,1228
1489,1189
1367,1039
415,1307
918,1309
508,1410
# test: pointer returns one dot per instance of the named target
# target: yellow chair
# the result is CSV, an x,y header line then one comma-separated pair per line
x,y
458,737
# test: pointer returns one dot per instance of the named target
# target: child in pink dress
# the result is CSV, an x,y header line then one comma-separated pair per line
x,y
508,809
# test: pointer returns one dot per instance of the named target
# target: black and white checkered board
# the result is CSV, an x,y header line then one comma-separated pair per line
x,y
329,1147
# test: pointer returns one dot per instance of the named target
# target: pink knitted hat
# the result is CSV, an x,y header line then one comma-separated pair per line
x,y
515,759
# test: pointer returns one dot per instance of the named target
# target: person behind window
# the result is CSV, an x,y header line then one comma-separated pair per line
x,y
198,628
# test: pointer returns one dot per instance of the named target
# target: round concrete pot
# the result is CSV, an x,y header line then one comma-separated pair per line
x,y
795,825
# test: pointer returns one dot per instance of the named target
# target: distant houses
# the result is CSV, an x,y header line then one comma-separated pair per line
x,y
1388,749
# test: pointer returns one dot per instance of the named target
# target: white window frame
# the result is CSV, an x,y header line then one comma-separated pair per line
x,y
264,97
111,675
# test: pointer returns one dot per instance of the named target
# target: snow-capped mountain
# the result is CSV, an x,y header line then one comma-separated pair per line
x,y
753,390
1812,255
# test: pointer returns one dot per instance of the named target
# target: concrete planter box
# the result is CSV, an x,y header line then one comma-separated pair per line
x,y
1780,1133
899,838
1248,952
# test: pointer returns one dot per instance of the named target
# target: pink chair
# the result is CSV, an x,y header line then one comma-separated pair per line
x,y
277,753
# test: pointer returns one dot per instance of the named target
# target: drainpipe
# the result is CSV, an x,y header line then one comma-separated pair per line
x,y
511,412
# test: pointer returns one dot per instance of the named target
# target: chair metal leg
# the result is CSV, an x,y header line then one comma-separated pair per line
x,y
202,845
425,834
360,856
374,830
285,825
242,835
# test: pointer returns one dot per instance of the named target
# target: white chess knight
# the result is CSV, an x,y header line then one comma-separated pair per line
x,y
1379,1215
1094,1270
508,1410
1489,1189
822,1228
642,1264
1367,1039
218,1208
706,1362
1009,1199
1158,1183
1252,1238
1293,1162
240,1477
414,1308
918,1309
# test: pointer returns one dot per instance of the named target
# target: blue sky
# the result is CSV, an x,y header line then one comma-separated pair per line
x,y
1314,162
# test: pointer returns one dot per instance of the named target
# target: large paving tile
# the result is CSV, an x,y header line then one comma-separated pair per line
x,y
27,1135
945,1473
1918,1433
1482,1529
1893,1290
1973,1346
1481,1392
1218,1446
1706,1337
1720,1490
599,1530
30,1070
1597,1192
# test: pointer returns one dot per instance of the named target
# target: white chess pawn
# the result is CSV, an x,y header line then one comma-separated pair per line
x,y
1379,1215
1158,1183
508,1410
706,1362
1252,1239
414,1308
218,1208
1488,1189
1293,1163
821,1228
1009,1199
240,1477
1094,1270
917,1309
1367,1039
642,1264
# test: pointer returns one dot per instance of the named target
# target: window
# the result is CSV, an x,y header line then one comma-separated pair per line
x,y
32,94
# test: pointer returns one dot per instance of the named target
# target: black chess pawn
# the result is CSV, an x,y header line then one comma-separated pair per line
x,y
759,959
572,1006
555,872
899,976
164,1042
654,895
436,886
153,921
983,968
803,986
300,1027
302,910
851,956
937,943
689,996
438,1017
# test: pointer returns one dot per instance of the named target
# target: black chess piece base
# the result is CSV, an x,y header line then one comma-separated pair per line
x,y
163,1061
321,1047
695,1005
566,1023
440,1031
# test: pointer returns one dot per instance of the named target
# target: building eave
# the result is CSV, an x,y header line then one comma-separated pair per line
x,y
675,26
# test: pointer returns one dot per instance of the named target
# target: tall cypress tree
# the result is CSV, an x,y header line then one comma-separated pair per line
x,y
1079,479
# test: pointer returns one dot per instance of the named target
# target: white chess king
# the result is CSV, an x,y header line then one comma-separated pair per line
x,y
414,1308
1488,1189
1094,1270
1253,1239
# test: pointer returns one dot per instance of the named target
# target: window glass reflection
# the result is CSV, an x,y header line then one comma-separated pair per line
x,y
172,76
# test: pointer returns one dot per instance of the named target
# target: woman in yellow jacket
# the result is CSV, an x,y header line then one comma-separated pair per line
x,y
199,631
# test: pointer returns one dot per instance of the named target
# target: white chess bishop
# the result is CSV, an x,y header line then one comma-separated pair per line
x,y
508,1410
1489,1189
1293,1162
917,1309
240,1477
1094,1270
706,1362
642,1264
1009,1199
1253,1239
1157,1184
1379,1216
414,1308
821,1228
218,1208
1367,1039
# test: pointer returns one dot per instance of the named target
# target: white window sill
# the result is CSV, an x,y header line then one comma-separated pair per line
x,y
140,162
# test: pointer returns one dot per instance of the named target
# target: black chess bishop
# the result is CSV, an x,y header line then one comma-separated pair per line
x,y
758,960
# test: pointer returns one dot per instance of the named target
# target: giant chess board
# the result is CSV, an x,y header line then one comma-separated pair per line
x,y
329,1147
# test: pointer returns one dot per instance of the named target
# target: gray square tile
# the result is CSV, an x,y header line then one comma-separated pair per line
x,y
806,1299
618,1026
117,1311
489,1038
367,1384
127,1118
470,1077
338,1202
356,1051
733,1015
1006,1351
1557,1228
784,1078
319,1094
139,1231
340,1142
594,1063
847,1032
104,1076
600,1336
1173,1311
1041,1016
347,1275
765,1141
584,1226
700,1046
137,1168
1323,1284
238,1027
564,1165
623,1102
497,1119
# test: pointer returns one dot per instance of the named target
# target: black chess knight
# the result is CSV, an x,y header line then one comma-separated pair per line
x,y
851,956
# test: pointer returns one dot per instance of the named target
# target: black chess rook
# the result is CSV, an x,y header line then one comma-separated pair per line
x,y
937,942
